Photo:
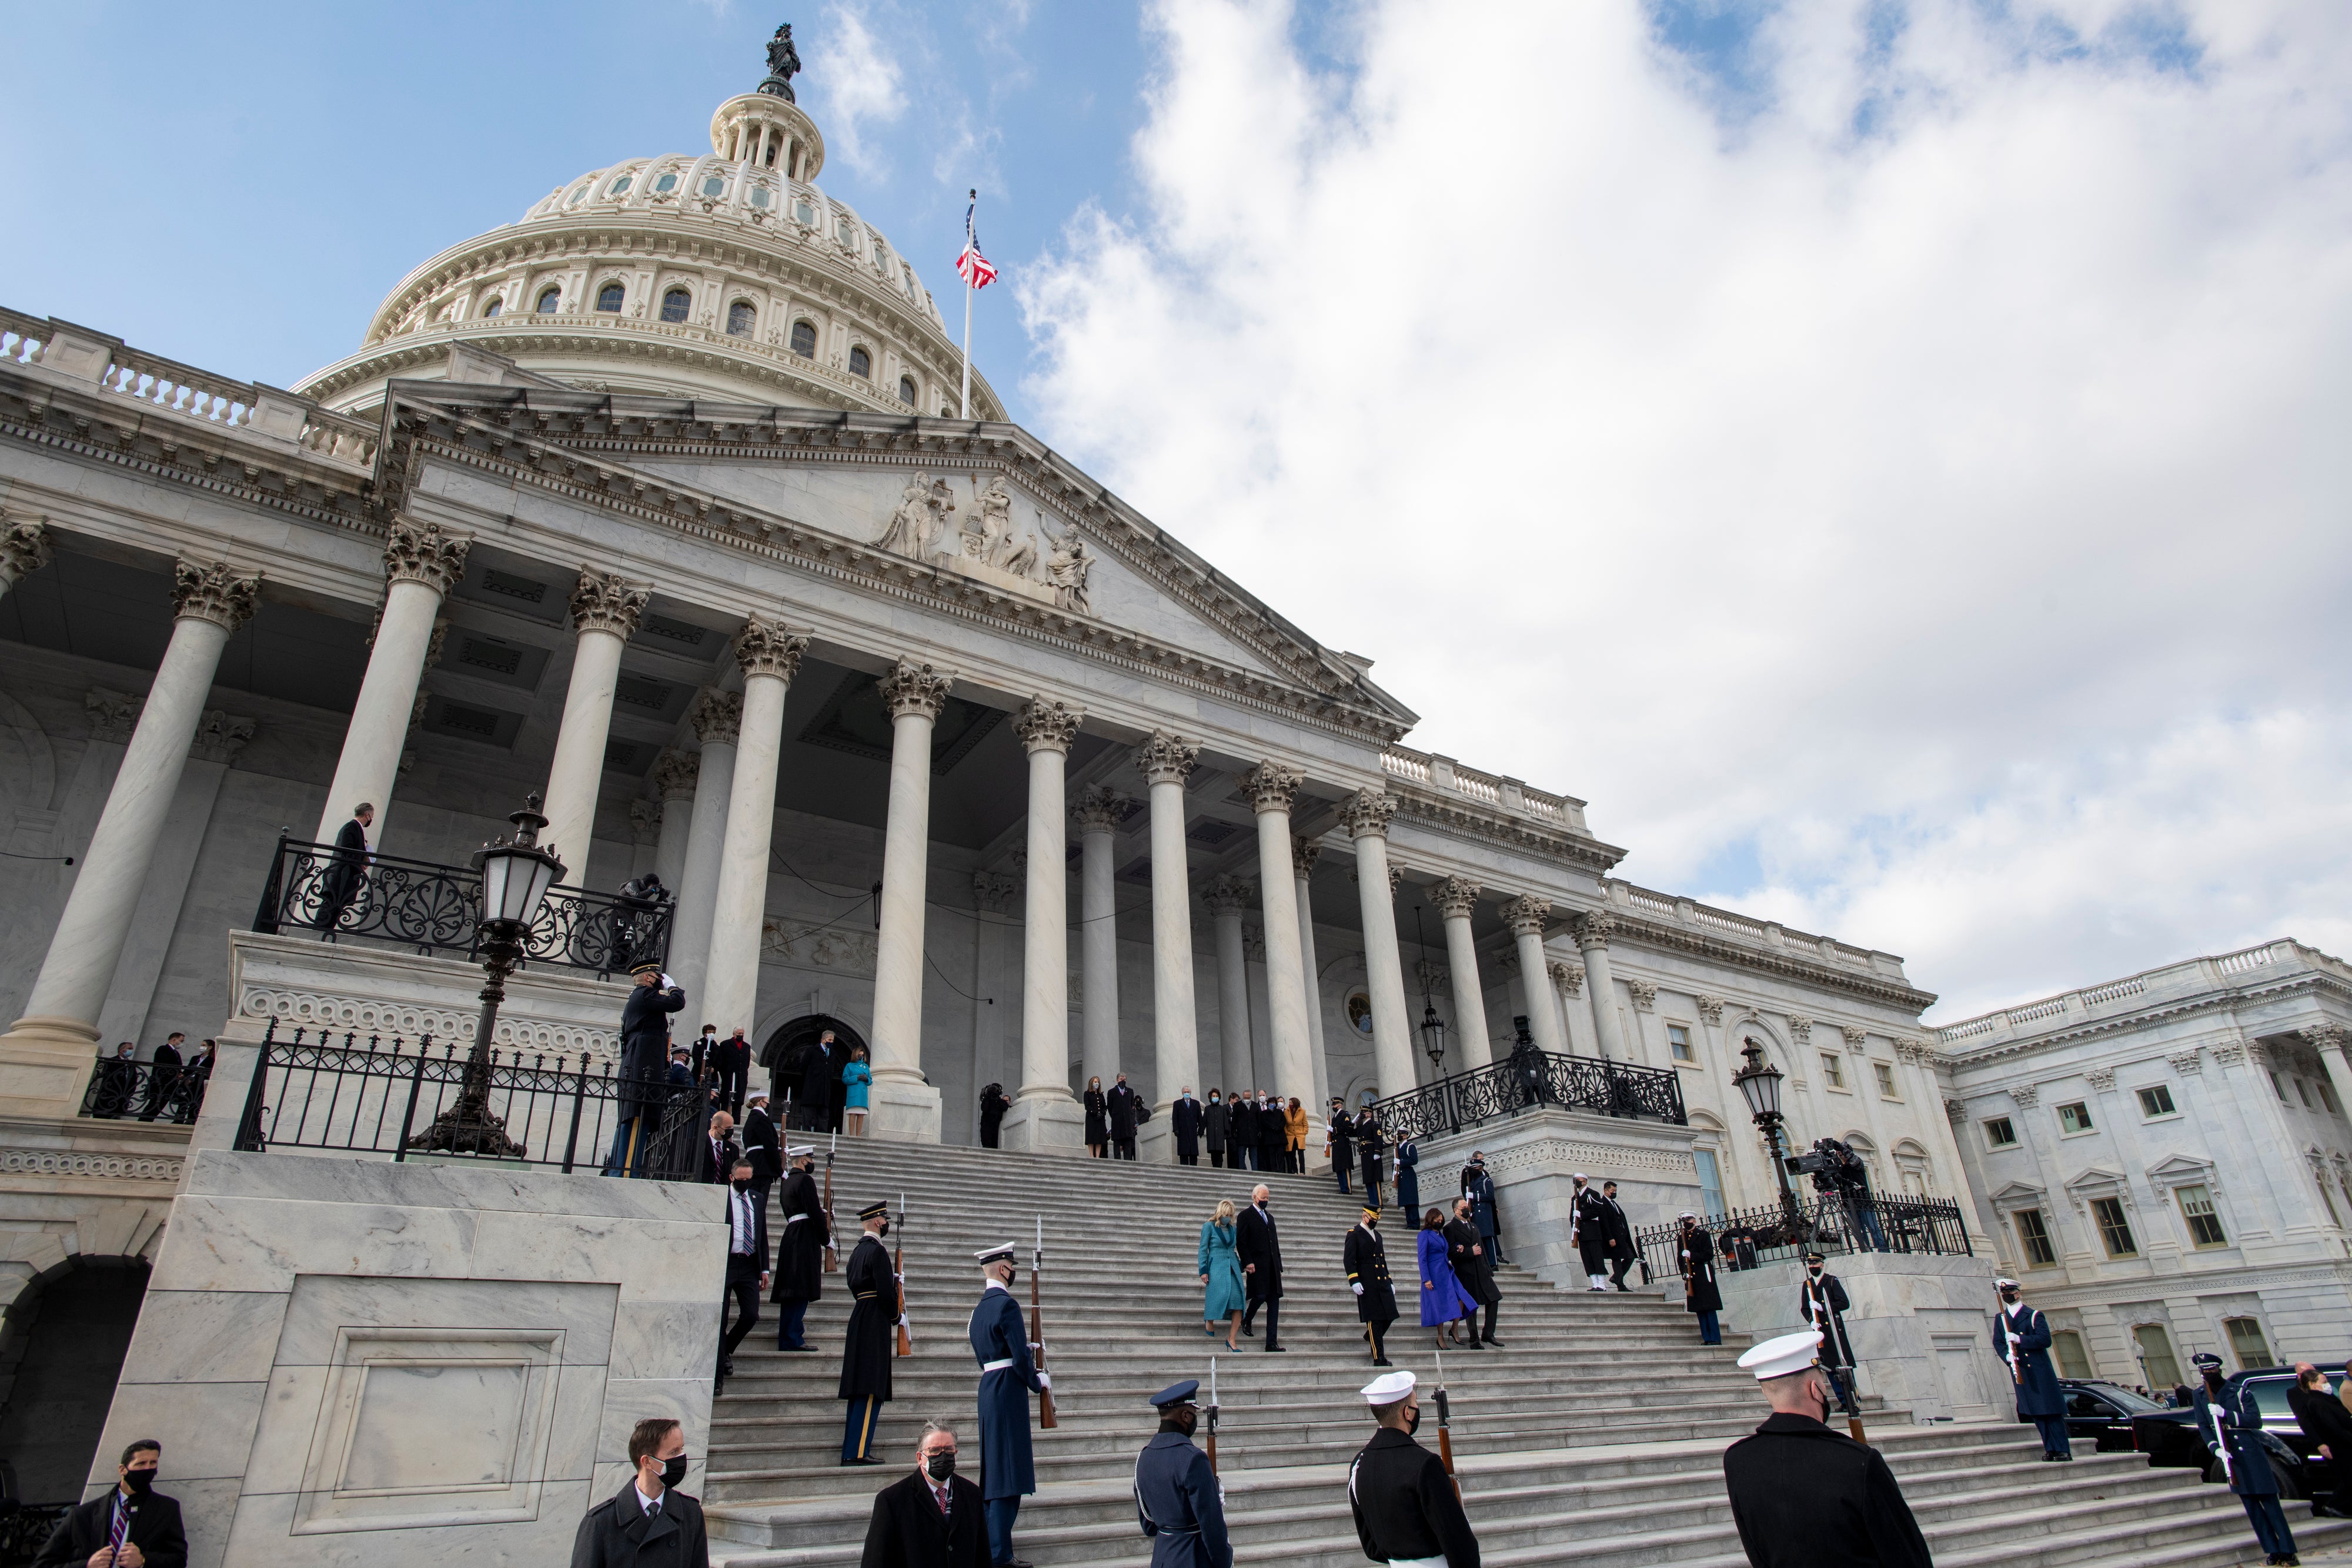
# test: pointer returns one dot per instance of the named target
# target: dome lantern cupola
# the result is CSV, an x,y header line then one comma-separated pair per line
x,y
765,127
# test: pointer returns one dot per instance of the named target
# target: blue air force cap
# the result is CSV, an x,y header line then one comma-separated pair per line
x,y
1176,1394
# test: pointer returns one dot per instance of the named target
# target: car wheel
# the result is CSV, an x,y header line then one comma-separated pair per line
x,y
2214,1474
2290,1486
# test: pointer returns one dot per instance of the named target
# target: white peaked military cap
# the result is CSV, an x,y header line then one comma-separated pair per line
x,y
1387,1389
996,1254
1582,1176
800,1151
1781,1357
2005,1284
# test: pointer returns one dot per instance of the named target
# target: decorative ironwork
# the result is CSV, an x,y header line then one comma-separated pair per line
x,y
1748,1238
26,1528
369,1095
1528,1079
123,1091
437,908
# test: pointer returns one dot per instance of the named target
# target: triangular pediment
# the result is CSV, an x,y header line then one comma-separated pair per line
x,y
2095,1175
2017,1192
2179,1166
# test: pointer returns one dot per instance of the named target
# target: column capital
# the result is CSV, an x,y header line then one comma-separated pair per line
x,y
24,548
1098,809
2323,1036
1271,787
645,820
1593,929
1858,1041
1367,812
1645,996
764,647
2026,1096
1165,759
220,737
1526,914
2189,1063
1956,1111
1302,856
1047,723
676,774
1229,895
215,593
1568,978
113,716
1801,1029
1455,897
913,689
718,717
1710,1010
421,552
2102,1079
607,601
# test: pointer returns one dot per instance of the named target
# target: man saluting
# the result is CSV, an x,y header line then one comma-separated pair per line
x,y
1803,1495
1406,1513
1177,1499
1008,1375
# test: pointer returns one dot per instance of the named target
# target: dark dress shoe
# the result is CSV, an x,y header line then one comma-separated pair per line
x,y
1491,1340
848,1463
1473,1344
1248,1333
1382,1361
1277,1350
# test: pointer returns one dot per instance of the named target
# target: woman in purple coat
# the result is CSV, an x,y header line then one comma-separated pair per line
x,y
1442,1299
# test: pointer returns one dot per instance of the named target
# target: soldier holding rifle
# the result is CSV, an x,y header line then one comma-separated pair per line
x,y
2021,1336
1407,1512
1803,1495
865,1348
1177,1499
1008,1374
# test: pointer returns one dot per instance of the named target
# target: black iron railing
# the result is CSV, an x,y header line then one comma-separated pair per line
x,y
123,1091
437,908
1747,1238
364,1095
1529,1079
26,1528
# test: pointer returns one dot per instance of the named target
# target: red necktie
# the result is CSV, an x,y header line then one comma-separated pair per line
x,y
121,1530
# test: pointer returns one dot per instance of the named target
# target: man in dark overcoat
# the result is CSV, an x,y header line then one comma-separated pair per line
x,y
1178,1500
164,1076
1466,1251
648,1523
1272,1135
1408,1181
1368,1276
761,1147
1184,1123
1404,1504
747,1269
1343,1142
644,1052
1620,1231
1008,1375
1214,1118
1803,1495
1241,1130
932,1518
1369,1146
2231,1424
1821,1299
1589,1229
1259,1248
800,1255
866,1347
730,1062
150,1521
1122,1120
2021,1336
1479,1189
1695,1252
346,868
820,1083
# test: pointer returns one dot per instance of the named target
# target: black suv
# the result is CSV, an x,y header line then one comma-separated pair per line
x,y
2101,1414
2171,1436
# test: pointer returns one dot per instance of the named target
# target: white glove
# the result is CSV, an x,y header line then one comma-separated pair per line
x,y
669,984
1046,1380
1358,1289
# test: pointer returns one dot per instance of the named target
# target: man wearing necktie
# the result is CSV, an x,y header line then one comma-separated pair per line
x,y
132,1526
747,1267
932,1518
649,1523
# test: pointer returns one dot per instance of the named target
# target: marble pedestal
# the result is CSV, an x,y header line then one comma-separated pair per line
x,y
1921,1326
1533,1158
1049,1124
905,1110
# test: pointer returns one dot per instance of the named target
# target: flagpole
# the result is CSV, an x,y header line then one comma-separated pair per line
x,y
968,292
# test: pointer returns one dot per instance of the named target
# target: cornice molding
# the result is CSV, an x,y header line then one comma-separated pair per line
x,y
2310,982
1634,928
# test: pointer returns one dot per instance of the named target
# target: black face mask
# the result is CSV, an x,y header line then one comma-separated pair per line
x,y
674,1471
1815,1270
740,1184
1412,1421
940,1466
139,1482
885,1230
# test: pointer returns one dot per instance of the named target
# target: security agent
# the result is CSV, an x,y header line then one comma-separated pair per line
x,y
1406,1512
1177,1499
1803,1495
931,1518
132,1526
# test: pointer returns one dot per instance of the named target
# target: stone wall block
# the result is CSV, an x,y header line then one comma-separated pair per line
x,y
202,1336
244,1244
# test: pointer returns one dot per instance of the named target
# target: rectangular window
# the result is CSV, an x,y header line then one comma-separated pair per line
x,y
2329,1200
2303,1093
1886,1080
2067,1346
2156,1101
2000,1134
2278,1088
2156,1354
2033,1238
2247,1343
2197,1207
2074,1118
2115,1230
1833,1069
1678,1041
2327,1098
1710,1183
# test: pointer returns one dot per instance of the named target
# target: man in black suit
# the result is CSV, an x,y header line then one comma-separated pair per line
x,y
644,1041
133,1526
345,867
1184,1121
1123,1108
648,1523
761,1146
718,1152
820,1076
730,1062
164,1077
747,1267
1260,1250
931,1519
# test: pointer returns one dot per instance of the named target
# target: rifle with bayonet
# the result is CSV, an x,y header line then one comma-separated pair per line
x,y
1037,1325
899,1267
832,1252
1445,1427
1212,1415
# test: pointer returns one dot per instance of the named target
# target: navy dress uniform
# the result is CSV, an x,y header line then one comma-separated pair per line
x,y
1008,1375
1178,1500
865,1348
1407,1514
1366,1263
645,1052
1804,1495
2232,1427
2021,1336
1822,1301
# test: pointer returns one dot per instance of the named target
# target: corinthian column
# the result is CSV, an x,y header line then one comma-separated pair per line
x,y
769,656
1366,816
422,565
1302,861
24,551
2329,1040
605,610
1045,1113
1594,929
905,1107
1098,811
1227,897
1164,760
46,1057
718,719
1271,789
1455,898
1527,916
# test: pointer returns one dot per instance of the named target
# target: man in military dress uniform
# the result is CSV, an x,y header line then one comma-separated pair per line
x,y
1589,1229
1803,1495
2021,1336
644,1052
1407,1514
865,1348
2231,1424
1366,1263
1177,1499
1821,1299
800,1255
1008,1375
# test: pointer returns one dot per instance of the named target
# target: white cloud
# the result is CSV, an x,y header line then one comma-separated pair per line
x,y
861,89
1927,489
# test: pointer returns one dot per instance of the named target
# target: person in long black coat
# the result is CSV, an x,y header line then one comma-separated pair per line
x,y
865,1345
1122,1104
1097,1109
1369,1145
1403,1501
1215,1120
345,868
1366,1263
1620,1232
1696,1251
762,1147
644,1055
1822,1301
804,1231
2021,1337
730,1062
164,1075
1272,1135
1241,1131
154,1527
1343,1142
1804,1495
1590,1233
621,1533
993,1103
1474,1266
2321,1415
1479,1189
2231,1424
1184,1123
820,1084
912,1529
1259,1246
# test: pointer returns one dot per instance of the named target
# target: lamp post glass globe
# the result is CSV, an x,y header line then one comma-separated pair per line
x,y
1759,1084
1432,1036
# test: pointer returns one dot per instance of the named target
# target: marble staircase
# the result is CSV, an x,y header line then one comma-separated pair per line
x,y
1594,1436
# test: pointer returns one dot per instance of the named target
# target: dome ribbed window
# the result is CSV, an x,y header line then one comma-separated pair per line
x,y
608,298
861,363
740,318
804,339
675,305
493,307
549,298
906,390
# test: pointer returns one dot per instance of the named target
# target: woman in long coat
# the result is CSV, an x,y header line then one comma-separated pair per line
x,y
1097,1120
1213,1129
855,1078
993,1107
1224,1291
1443,1301
1294,1124
1699,1295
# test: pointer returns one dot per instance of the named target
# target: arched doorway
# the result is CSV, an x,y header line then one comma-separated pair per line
x,y
61,1356
784,1055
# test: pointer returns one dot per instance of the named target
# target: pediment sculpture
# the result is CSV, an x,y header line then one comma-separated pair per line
x,y
914,530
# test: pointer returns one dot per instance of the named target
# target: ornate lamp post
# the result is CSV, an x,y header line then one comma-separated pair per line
x,y
516,875
1759,1084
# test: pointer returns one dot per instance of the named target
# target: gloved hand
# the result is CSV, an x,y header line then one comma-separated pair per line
x,y
1357,1288
668,984
1045,1380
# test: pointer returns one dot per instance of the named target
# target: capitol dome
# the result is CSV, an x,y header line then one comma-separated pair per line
x,y
727,275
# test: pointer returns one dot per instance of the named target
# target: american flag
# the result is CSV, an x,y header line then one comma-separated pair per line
x,y
970,265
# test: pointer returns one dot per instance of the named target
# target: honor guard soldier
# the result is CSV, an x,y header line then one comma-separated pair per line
x,y
1802,1495
1008,1375
1822,1300
1366,1263
2021,1336
799,1253
2231,1424
1407,1514
865,1348
1177,1499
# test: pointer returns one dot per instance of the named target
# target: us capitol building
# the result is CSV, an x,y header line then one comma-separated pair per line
x,y
656,503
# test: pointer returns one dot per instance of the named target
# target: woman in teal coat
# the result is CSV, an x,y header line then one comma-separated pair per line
x,y
855,1078
1220,1277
